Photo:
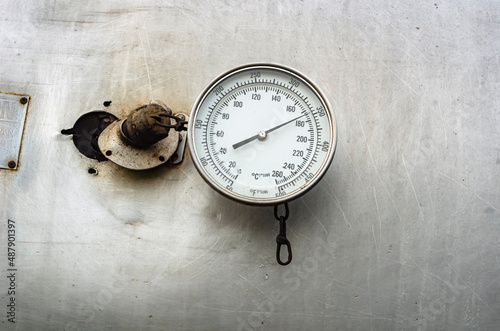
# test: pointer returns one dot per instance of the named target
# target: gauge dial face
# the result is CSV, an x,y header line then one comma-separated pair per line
x,y
262,134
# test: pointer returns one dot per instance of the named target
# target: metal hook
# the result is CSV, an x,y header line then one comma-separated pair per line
x,y
178,126
281,238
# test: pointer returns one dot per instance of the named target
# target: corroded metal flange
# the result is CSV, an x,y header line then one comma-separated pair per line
x,y
116,147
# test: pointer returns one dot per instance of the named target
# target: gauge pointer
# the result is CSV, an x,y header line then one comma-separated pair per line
x,y
262,134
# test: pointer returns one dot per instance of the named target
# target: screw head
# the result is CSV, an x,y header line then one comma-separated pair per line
x,y
23,100
11,164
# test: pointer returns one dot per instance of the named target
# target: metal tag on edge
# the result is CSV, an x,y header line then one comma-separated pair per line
x,y
13,109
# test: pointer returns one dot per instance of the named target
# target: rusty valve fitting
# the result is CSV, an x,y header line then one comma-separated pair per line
x,y
149,136
141,126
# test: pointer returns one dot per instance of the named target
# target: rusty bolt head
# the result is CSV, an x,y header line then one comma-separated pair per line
x,y
11,164
23,100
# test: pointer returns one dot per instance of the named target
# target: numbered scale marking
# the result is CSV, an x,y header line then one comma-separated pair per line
x,y
262,134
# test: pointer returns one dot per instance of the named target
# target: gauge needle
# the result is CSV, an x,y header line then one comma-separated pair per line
x,y
263,134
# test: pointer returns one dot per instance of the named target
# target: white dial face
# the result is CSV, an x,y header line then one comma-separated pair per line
x,y
262,134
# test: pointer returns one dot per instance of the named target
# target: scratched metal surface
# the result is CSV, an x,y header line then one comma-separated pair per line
x,y
401,234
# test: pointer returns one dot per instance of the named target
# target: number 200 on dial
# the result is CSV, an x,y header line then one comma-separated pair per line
x,y
262,134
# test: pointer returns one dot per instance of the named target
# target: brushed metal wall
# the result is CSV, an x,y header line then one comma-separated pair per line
x,y
401,234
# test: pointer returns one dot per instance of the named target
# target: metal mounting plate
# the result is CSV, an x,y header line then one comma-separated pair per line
x,y
13,109
116,149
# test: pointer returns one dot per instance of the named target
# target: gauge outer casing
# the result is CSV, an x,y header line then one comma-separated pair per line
x,y
249,199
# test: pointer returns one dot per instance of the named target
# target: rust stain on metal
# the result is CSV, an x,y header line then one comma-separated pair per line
x,y
135,223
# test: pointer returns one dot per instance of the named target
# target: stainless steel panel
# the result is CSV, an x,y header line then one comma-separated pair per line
x,y
401,234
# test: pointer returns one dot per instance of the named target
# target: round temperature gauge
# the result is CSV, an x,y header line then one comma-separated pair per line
x,y
262,134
